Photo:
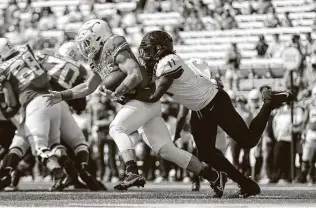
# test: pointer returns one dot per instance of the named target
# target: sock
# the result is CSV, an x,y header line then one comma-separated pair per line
x,y
82,157
209,174
220,163
57,173
131,167
11,161
258,166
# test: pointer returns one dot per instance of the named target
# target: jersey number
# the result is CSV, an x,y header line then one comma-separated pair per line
x,y
27,69
67,76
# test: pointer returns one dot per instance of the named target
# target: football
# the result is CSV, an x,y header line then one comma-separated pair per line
x,y
113,80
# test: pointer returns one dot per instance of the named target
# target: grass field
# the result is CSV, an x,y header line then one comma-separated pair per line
x,y
163,195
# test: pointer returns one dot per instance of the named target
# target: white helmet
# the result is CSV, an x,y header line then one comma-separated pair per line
x,y
69,50
6,49
92,36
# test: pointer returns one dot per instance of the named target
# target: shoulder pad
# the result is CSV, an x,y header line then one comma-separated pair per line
x,y
168,65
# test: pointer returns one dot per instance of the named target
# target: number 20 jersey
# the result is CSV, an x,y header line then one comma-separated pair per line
x,y
189,88
26,75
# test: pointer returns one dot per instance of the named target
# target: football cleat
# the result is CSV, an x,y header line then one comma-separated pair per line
x,y
219,185
196,185
92,183
130,181
276,99
5,178
249,189
61,180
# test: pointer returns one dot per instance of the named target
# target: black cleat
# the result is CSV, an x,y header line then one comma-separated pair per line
x,y
61,180
92,183
219,185
249,189
130,181
5,178
276,99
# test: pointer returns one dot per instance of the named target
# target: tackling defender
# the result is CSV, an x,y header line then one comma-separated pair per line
x,y
109,53
210,104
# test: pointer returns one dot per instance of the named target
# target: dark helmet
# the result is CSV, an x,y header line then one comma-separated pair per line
x,y
155,45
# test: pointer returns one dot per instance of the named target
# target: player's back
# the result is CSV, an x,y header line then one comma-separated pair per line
x,y
63,73
107,62
26,75
190,88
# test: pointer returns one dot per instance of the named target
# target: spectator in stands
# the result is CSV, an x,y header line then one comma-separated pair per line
x,y
129,19
76,15
232,74
194,22
212,22
264,7
48,20
286,22
275,48
261,46
228,21
272,19
282,131
92,14
115,20
307,46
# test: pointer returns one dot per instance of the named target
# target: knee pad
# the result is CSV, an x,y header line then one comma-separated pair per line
x,y
81,147
121,138
173,154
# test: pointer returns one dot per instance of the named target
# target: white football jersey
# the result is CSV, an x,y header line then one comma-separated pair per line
x,y
191,89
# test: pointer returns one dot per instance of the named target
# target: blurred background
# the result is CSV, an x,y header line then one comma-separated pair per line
x,y
247,43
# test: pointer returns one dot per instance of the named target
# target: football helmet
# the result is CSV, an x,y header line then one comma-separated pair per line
x,y
155,45
69,50
6,49
92,36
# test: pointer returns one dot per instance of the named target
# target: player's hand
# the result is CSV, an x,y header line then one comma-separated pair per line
x,y
105,92
53,98
175,138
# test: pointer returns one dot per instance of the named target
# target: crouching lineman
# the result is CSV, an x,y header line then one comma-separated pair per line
x,y
63,75
23,76
211,105
109,53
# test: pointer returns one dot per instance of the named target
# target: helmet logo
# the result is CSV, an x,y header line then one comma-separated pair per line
x,y
91,27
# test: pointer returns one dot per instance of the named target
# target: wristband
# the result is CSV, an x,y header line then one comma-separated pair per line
x,y
66,95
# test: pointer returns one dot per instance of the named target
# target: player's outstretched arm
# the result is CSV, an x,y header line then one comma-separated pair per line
x,y
183,112
162,85
79,91
130,66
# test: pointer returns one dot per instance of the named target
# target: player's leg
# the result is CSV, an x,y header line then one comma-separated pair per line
x,y
77,142
204,132
157,137
16,152
42,126
233,124
130,118
308,153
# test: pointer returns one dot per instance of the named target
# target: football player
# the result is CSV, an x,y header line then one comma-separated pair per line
x,y
210,104
23,76
63,75
108,55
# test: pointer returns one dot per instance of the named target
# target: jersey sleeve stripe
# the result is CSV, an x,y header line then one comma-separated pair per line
x,y
172,72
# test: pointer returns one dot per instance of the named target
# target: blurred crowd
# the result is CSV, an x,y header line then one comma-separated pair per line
x,y
269,162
